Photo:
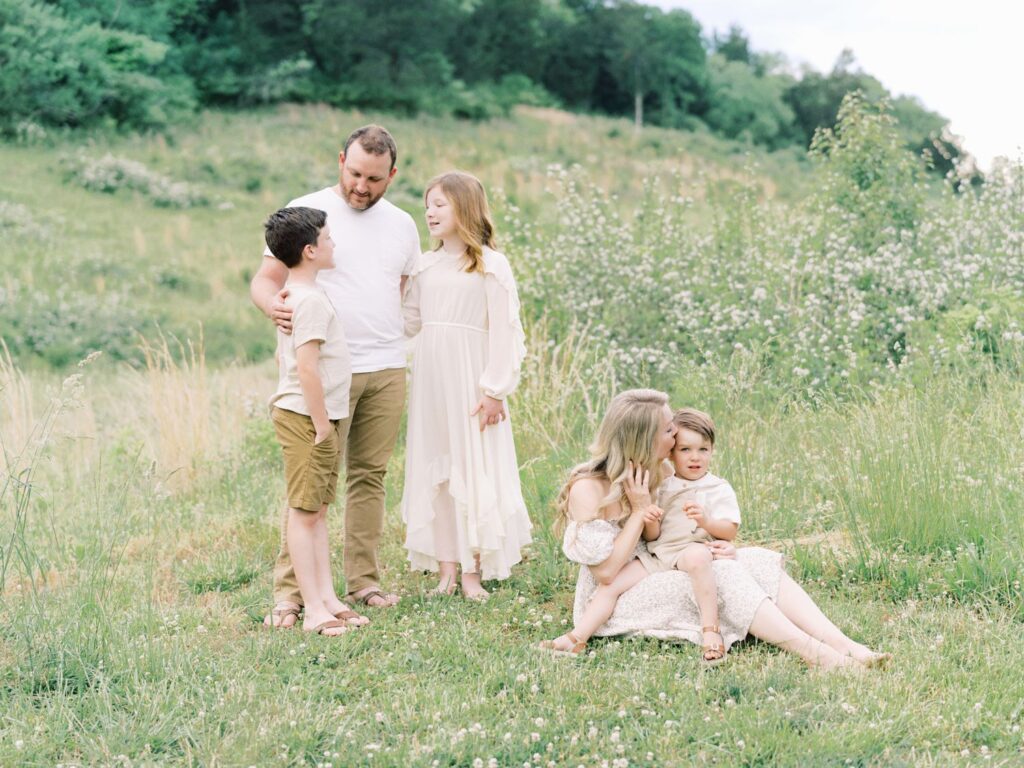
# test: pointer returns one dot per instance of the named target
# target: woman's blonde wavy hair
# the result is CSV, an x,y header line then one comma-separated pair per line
x,y
626,434
473,221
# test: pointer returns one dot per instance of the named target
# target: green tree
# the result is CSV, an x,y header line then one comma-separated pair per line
x,y
383,55
658,62
55,70
748,107
815,98
500,38
733,46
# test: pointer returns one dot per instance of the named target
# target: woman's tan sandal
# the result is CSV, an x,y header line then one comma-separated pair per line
x,y
577,649
713,653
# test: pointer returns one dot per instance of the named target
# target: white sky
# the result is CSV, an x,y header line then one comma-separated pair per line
x,y
964,60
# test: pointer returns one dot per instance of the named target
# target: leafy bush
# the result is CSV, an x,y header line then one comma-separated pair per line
x,y
64,327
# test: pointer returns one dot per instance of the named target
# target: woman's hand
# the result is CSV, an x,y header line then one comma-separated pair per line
x,y
636,486
491,411
721,550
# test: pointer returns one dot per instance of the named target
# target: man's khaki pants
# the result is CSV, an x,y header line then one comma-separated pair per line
x,y
376,401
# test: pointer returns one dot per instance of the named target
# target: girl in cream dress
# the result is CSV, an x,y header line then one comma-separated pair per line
x,y
462,503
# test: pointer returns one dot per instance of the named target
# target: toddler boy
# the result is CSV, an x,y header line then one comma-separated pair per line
x,y
699,508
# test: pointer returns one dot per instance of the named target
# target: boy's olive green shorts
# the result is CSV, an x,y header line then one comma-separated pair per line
x,y
310,471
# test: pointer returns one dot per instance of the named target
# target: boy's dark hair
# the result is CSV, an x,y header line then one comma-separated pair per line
x,y
289,230
695,421
375,139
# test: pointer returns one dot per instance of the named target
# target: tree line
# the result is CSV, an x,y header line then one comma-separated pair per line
x,y
141,64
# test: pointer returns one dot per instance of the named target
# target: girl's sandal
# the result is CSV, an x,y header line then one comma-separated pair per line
x,y
577,649
713,653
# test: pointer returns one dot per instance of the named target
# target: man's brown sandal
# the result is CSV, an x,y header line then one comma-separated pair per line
x,y
578,646
352,600
351,618
278,613
713,653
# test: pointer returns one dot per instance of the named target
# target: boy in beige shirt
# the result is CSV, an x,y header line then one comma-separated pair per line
x,y
310,402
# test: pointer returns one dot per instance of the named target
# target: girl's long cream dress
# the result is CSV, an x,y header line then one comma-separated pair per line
x,y
462,498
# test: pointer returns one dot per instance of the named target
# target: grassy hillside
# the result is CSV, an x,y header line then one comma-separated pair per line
x,y
856,333
99,246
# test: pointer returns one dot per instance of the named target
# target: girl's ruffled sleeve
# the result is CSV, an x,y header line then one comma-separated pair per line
x,y
589,543
411,300
506,341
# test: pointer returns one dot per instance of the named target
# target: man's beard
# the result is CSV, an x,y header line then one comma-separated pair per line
x,y
357,202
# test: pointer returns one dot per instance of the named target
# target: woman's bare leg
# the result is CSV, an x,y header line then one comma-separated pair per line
x,y
771,625
800,609
601,605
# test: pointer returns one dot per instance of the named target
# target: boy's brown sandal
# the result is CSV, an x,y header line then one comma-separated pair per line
x,y
713,653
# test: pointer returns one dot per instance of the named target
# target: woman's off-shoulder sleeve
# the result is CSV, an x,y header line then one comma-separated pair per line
x,y
589,543
506,342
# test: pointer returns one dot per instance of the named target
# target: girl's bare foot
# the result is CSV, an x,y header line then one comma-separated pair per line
x,y
445,587
472,589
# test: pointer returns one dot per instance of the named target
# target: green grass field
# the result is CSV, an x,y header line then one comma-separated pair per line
x,y
865,375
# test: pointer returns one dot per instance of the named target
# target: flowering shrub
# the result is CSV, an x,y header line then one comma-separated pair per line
x,y
110,173
874,274
63,327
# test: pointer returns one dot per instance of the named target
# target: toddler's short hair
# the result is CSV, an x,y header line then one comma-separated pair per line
x,y
695,421
289,230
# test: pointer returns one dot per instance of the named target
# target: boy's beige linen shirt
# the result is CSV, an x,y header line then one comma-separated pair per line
x,y
677,530
313,319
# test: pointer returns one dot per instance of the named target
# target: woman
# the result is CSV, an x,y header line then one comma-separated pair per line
x,y
602,509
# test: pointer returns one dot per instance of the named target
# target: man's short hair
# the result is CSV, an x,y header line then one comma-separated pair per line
x,y
375,139
695,421
289,230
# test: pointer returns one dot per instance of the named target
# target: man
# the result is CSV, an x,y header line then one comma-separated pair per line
x,y
376,247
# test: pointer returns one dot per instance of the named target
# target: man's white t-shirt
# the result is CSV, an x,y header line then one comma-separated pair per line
x,y
372,250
